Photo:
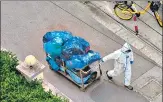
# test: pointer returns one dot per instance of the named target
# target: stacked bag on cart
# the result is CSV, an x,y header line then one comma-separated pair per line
x,y
75,46
64,35
53,42
74,51
80,61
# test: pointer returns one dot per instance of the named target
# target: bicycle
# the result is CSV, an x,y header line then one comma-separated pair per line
x,y
125,10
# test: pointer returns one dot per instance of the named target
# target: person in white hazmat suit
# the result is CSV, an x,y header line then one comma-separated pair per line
x,y
123,60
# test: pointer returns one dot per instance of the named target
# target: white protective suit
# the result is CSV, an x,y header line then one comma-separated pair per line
x,y
122,63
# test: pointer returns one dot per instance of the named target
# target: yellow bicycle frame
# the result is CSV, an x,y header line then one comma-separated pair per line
x,y
141,12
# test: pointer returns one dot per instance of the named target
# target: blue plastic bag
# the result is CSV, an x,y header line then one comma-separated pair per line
x,y
91,57
80,61
75,63
53,47
65,35
52,64
75,46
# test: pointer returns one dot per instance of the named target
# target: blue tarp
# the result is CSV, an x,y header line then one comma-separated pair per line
x,y
65,35
74,77
53,47
75,46
52,64
80,61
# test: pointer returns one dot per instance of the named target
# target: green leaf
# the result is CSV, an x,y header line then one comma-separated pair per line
x,y
15,88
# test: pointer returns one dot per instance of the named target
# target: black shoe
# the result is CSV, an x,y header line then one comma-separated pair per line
x,y
129,87
110,78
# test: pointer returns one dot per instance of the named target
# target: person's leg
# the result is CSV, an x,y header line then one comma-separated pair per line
x,y
115,72
127,77
110,74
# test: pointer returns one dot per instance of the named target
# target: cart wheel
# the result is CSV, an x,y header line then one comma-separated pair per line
x,y
82,89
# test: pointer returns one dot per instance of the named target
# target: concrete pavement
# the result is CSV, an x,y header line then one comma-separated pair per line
x,y
24,24
150,84
113,94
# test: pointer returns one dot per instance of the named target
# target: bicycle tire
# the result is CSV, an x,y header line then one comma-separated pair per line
x,y
127,16
158,18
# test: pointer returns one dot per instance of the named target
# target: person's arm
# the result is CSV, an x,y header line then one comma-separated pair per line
x,y
110,56
131,58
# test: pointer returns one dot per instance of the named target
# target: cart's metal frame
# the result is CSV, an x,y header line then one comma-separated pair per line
x,y
82,86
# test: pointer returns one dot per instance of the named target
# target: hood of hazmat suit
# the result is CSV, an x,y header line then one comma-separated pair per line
x,y
126,48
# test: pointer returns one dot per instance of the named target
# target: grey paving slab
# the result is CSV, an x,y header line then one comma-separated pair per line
x,y
25,22
151,90
150,83
158,99
155,73
114,94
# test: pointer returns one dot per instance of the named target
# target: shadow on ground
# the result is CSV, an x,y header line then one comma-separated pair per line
x,y
108,92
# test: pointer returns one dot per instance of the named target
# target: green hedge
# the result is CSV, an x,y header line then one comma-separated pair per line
x,y
15,88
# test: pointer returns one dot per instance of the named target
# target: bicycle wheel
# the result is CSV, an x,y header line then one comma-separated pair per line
x,y
158,18
127,15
